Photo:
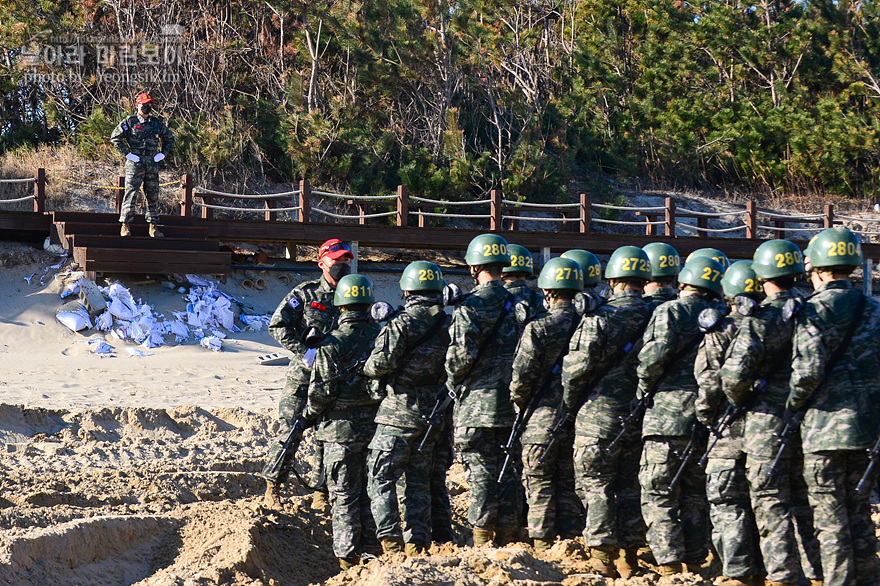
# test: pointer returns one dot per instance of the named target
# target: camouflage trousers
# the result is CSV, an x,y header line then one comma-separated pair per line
x,y
441,508
677,520
554,508
608,485
354,530
785,521
493,505
846,533
734,532
394,456
145,173
292,403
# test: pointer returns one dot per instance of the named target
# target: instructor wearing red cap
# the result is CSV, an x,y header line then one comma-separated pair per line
x,y
304,317
144,140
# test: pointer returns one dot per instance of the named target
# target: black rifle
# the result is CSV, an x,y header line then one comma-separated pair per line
x,y
794,423
444,398
289,446
875,455
638,411
730,416
698,436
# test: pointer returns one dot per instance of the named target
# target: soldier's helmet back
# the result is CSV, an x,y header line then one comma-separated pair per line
x,y
561,273
627,262
520,260
834,247
665,260
421,275
777,258
740,279
589,265
487,249
353,289
712,253
703,272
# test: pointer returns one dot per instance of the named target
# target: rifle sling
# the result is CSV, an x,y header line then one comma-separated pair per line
x,y
505,311
548,377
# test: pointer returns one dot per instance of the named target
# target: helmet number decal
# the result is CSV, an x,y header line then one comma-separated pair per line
x,y
519,260
428,275
709,274
669,260
751,286
494,249
564,273
594,271
634,264
789,258
844,249
358,291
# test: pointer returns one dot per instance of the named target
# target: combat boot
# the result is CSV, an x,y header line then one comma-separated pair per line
x,y
669,569
505,536
125,230
270,499
817,582
391,544
413,549
154,231
319,500
602,560
627,562
482,537
346,563
543,544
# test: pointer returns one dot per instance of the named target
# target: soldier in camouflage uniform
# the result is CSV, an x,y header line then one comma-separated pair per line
x,y
590,299
536,390
677,519
407,361
484,323
600,383
759,357
344,408
137,138
665,266
840,407
734,532
515,278
303,318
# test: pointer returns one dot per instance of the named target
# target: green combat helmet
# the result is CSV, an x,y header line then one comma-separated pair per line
x,y
834,247
589,264
712,253
561,273
353,289
421,275
703,272
665,261
777,258
740,279
628,262
487,249
520,260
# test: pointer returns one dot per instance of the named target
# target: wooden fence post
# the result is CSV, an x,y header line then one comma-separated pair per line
x,y
514,224
120,193
40,191
751,219
669,217
829,216
702,222
270,204
186,195
305,201
585,213
495,220
208,213
402,205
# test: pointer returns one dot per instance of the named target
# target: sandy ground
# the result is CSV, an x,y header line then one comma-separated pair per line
x,y
142,470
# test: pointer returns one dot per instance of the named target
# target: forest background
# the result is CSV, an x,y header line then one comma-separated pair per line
x,y
454,98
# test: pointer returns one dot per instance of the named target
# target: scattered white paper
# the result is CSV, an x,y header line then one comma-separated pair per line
x,y
212,342
136,352
309,357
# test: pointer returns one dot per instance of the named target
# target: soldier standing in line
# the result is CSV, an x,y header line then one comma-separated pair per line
x,y
755,376
677,519
301,321
138,138
344,409
599,380
589,300
407,361
515,280
838,399
478,367
536,390
734,532
665,266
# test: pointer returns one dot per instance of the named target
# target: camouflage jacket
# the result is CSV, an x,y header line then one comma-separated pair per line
x,y
485,395
543,341
141,136
410,378
843,414
600,337
344,406
673,326
308,305
533,300
660,296
761,351
711,400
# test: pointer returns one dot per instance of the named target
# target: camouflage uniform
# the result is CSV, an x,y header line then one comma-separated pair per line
x,y
607,482
410,378
346,410
677,521
533,300
483,414
141,136
308,305
734,531
659,296
841,422
441,508
759,351
550,493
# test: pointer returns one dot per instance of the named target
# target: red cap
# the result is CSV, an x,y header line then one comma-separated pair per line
x,y
334,248
144,99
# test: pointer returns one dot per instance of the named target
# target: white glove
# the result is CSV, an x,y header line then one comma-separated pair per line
x,y
159,157
309,357
133,158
